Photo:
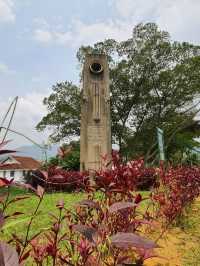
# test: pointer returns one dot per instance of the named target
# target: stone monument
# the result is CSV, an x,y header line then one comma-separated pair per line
x,y
95,141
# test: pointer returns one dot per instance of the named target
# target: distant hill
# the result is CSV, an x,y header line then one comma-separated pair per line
x,y
35,152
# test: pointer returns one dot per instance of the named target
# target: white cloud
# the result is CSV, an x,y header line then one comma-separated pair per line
x,y
62,37
41,22
179,17
90,33
29,112
82,33
43,36
6,11
48,37
137,9
5,70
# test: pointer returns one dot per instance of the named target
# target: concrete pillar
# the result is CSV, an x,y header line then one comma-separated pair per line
x,y
95,140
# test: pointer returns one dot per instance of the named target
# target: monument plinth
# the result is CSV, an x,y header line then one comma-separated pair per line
x,y
95,140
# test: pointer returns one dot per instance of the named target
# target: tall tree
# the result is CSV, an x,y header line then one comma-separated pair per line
x,y
154,83
63,107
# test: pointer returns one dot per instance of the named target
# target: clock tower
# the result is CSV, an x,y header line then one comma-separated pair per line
x,y
95,140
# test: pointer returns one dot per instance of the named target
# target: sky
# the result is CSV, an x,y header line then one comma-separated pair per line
x,y
40,38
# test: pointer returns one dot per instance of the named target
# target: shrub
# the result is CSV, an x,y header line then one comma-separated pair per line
x,y
68,157
188,158
110,230
97,232
58,179
178,188
127,177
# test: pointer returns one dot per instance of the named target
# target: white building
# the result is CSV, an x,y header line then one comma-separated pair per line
x,y
17,167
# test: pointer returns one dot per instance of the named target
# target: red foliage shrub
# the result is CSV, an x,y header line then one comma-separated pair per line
x,y
107,231
178,188
126,177
58,179
104,232
121,177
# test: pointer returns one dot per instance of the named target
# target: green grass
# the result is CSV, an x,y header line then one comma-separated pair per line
x,y
43,220
27,206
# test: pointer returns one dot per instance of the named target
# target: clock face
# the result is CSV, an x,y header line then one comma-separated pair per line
x,y
96,68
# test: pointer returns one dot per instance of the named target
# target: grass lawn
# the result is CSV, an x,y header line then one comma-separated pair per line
x,y
43,220
27,206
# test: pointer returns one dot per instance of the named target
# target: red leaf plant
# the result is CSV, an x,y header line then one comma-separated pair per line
x,y
109,227
58,179
179,187
88,233
124,178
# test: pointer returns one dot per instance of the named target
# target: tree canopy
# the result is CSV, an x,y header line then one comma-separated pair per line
x,y
154,83
63,107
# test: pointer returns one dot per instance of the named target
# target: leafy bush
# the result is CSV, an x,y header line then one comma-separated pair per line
x,y
188,158
127,177
178,188
109,230
58,179
104,232
68,157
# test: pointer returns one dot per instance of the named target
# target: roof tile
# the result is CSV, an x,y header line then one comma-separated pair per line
x,y
27,163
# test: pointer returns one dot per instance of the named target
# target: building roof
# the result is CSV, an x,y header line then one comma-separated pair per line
x,y
19,162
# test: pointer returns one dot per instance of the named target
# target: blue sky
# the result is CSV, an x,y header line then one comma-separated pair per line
x,y
39,40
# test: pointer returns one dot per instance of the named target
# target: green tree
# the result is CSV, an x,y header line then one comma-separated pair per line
x,y
154,83
63,107
70,160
